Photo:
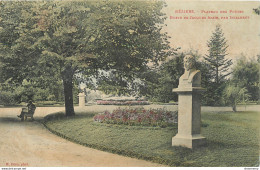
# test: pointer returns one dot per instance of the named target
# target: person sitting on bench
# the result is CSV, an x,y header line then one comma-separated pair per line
x,y
31,109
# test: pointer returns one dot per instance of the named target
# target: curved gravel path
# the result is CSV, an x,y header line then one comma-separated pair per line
x,y
30,144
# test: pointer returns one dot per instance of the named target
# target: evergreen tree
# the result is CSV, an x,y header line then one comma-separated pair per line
x,y
218,65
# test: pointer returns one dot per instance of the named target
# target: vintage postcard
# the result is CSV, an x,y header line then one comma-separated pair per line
x,y
129,83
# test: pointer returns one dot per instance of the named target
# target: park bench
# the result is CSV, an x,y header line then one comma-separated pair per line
x,y
28,113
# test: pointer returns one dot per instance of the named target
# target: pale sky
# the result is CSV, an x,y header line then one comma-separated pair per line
x,y
243,35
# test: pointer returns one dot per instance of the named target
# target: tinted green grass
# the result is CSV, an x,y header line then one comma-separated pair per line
x,y
232,139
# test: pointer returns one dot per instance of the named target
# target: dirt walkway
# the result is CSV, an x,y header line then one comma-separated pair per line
x,y
30,144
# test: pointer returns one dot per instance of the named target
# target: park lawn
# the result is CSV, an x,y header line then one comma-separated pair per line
x,y
232,139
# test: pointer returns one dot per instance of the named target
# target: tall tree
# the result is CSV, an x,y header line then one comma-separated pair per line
x,y
60,39
217,63
245,74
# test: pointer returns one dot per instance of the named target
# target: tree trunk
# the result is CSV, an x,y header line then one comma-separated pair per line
x,y
217,75
234,107
68,94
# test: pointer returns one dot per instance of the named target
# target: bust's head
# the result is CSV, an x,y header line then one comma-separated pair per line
x,y
189,62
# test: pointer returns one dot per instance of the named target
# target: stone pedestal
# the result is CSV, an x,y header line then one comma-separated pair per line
x,y
189,118
189,107
81,99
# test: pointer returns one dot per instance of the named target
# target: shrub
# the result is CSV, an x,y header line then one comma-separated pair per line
x,y
139,116
8,98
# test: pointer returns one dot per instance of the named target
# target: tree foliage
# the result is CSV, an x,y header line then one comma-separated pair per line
x,y
218,65
52,41
244,83
234,94
159,83
257,10
168,78
246,75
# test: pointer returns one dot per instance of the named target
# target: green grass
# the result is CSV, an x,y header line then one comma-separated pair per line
x,y
232,139
38,104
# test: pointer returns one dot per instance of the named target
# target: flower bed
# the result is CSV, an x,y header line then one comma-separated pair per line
x,y
139,116
122,102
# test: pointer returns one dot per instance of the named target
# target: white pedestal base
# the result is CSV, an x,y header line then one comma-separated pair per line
x,y
188,141
81,99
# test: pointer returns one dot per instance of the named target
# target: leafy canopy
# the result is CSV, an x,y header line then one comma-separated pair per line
x,y
50,41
